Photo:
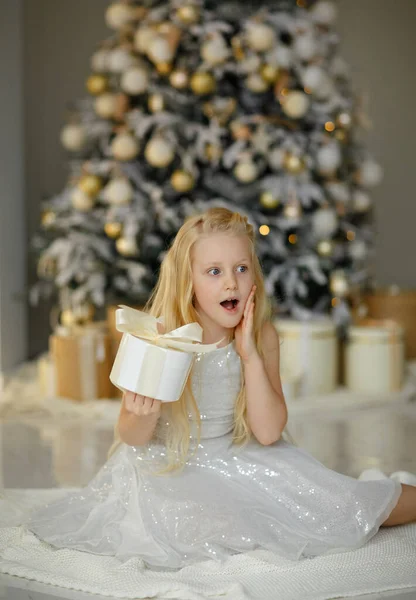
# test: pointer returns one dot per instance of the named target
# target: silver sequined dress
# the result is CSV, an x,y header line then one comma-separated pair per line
x,y
227,499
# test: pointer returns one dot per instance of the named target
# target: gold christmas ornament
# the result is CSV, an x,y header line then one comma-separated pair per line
x,y
156,103
325,248
82,201
182,181
338,284
125,146
97,84
164,68
79,315
179,79
48,219
160,50
90,184
213,152
118,15
237,47
47,267
113,229
269,200
159,152
126,246
270,73
188,14
143,37
105,105
203,83
240,131
293,164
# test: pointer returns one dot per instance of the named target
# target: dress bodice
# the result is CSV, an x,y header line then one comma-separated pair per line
x,y
216,381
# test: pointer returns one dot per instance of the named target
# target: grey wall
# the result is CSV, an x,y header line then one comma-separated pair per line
x,y
59,38
13,317
377,40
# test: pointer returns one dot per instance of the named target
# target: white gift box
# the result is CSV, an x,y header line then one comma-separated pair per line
x,y
151,363
309,354
150,370
375,357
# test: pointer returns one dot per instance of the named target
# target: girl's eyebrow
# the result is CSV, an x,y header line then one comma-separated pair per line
x,y
218,262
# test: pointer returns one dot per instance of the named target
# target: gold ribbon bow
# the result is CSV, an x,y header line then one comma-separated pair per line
x,y
187,338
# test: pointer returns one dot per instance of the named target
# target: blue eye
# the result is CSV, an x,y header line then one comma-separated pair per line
x,y
244,267
214,269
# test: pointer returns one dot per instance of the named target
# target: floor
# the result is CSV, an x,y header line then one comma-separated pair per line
x,y
47,452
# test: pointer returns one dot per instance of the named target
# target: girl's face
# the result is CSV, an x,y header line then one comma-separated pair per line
x,y
221,270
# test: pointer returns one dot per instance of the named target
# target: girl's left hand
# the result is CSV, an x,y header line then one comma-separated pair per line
x,y
244,337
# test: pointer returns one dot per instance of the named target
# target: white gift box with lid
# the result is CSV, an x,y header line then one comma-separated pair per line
x,y
154,364
309,354
375,357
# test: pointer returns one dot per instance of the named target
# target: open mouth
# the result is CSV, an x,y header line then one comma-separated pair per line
x,y
230,305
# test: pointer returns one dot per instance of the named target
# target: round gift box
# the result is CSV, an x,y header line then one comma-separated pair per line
x,y
150,370
398,305
309,351
374,358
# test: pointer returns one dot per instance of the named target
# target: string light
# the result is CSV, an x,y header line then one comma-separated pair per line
x,y
307,90
329,126
293,238
334,302
350,235
264,229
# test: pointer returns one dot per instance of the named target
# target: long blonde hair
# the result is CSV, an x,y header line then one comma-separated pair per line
x,y
173,297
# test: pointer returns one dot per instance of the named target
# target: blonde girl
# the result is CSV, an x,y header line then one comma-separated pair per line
x,y
214,473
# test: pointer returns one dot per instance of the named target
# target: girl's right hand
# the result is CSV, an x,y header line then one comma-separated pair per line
x,y
141,405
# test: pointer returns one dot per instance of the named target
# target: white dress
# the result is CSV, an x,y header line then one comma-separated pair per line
x,y
227,500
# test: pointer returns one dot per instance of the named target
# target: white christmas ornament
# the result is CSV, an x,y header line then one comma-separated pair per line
x,y
328,158
99,61
73,137
324,12
159,152
361,201
214,51
295,104
283,56
276,158
118,191
256,83
371,173
105,105
357,249
339,191
118,15
125,146
135,80
81,201
159,50
305,46
119,60
143,37
324,223
313,77
246,171
260,37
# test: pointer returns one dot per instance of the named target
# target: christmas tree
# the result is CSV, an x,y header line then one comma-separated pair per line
x,y
199,103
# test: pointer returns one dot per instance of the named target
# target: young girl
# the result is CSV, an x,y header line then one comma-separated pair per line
x,y
212,474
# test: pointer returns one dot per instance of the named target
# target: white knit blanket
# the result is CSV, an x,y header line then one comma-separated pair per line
x,y
386,562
